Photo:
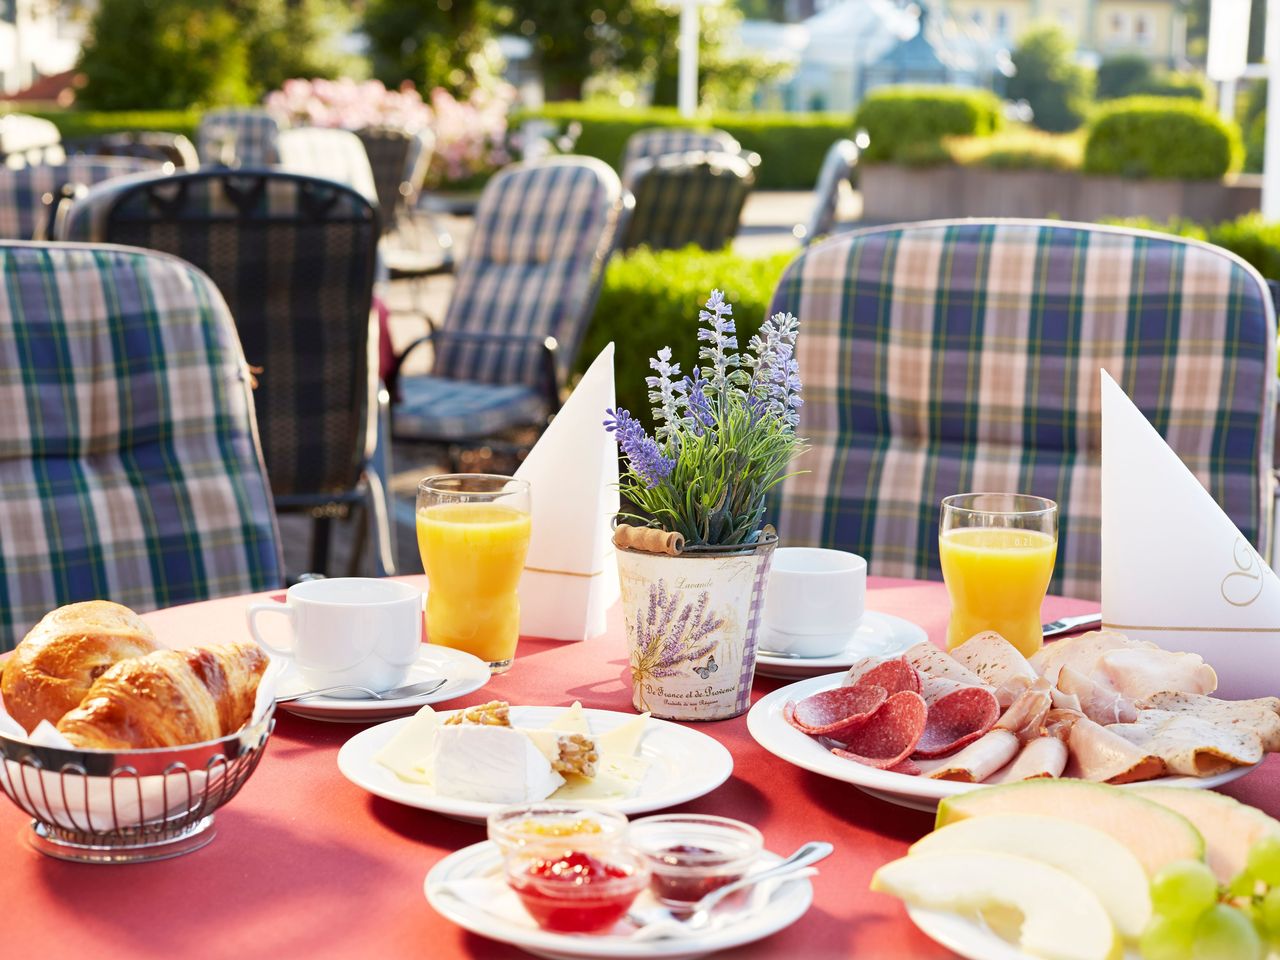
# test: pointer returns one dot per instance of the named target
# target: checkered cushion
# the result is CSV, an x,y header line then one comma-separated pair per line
x,y
542,234
239,137
294,257
129,466
23,192
947,357
837,167
399,161
328,153
688,198
453,410
660,141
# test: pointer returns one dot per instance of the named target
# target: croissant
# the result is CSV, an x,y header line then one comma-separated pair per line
x,y
169,698
54,666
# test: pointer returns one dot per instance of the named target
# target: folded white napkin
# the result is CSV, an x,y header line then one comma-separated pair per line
x,y
1175,570
570,578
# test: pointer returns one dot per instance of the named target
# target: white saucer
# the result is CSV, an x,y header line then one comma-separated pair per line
x,y
787,905
879,635
466,674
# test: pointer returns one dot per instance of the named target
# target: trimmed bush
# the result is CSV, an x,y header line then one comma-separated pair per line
x,y
1019,149
1249,237
651,299
1161,137
900,119
1057,89
791,145
90,123
1132,75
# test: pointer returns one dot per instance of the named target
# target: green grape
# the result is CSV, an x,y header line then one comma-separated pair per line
x,y
1244,885
1264,860
1184,890
1167,939
1224,933
1269,912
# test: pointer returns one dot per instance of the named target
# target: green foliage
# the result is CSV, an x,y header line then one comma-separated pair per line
x,y
650,299
433,44
1048,78
1193,86
73,124
1249,237
791,145
1253,121
1019,148
1124,75
171,54
900,119
1161,137
293,38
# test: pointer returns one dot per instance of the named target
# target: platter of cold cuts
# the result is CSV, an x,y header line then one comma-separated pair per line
x,y
926,725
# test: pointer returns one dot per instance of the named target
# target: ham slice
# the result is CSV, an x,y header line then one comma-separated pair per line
x,y
1262,716
893,675
1098,753
1025,716
1098,700
995,661
890,736
1190,745
932,664
956,719
1039,758
1081,652
835,713
979,759
1141,673
1058,723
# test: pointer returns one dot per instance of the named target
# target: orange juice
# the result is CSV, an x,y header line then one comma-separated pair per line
x,y
473,554
997,578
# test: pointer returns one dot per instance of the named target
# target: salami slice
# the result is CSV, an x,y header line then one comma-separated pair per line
x,y
835,713
956,719
894,675
890,735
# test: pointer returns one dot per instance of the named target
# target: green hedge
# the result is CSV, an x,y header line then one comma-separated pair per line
x,y
1018,148
905,122
791,145
651,300
1249,237
89,123
1161,137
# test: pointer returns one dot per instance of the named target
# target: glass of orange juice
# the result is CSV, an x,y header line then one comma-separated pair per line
x,y
997,552
473,534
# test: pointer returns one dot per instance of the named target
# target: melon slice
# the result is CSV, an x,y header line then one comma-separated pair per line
x,y
1228,826
1062,919
1154,834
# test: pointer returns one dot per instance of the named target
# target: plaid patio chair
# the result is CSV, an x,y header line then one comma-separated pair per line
x,y
148,144
30,195
129,460
328,153
294,257
688,198
239,137
520,305
958,356
837,168
661,141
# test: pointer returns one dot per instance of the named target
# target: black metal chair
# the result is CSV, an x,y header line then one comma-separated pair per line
x,y
294,257
155,145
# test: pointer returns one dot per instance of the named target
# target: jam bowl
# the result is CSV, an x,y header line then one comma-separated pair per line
x,y
554,826
690,855
576,891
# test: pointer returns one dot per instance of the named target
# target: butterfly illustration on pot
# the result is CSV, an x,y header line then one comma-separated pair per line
x,y
710,668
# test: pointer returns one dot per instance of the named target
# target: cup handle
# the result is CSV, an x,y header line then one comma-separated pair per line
x,y
252,615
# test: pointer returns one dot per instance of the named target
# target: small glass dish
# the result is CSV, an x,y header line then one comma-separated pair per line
x,y
576,891
691,854
562,826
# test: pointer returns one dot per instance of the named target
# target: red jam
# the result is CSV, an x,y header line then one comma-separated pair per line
x,y
576,893
695,872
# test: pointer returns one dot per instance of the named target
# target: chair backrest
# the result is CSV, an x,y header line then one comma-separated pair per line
x,y
957,356
239,137
399,159
543,234
149,144
837,168
660,141
328,153
128,454
28,140
294,257
28,195
688,198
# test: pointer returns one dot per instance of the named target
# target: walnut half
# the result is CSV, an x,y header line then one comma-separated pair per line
x,y
495,713
577,755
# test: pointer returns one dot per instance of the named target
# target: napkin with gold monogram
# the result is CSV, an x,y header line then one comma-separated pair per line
x,y
1175,570
570,578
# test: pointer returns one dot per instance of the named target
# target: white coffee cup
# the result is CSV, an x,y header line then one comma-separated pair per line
x,y
349,630
814,601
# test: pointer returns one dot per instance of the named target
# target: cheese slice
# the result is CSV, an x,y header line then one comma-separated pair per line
x,y
491,764
408,753
616,779
624,740
571,720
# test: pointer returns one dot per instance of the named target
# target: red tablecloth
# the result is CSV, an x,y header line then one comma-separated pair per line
x,y
306,864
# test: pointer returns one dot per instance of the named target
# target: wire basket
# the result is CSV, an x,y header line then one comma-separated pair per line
x,y
98,806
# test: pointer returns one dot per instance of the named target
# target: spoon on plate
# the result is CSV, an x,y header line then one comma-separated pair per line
x,y
419,689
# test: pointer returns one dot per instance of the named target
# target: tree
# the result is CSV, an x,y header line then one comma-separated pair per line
x,y
434,43
1124,75
291,38
1057,88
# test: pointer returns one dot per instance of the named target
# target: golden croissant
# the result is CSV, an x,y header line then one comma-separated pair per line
x,y
168,698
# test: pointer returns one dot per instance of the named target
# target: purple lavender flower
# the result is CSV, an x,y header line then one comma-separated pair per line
x,y
700,417
720,336
643,454
664,394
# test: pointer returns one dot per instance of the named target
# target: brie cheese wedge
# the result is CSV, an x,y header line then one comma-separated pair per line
x,y
491,765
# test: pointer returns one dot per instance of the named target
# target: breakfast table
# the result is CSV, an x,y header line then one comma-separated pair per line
x,y
306,863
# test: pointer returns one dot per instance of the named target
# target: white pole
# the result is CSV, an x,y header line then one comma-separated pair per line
x,y
1227,100
688,81
1271,155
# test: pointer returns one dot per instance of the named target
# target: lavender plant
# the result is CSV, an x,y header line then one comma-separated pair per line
x,y
724,435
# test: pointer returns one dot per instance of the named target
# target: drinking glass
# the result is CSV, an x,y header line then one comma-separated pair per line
x,y
473,534
997,552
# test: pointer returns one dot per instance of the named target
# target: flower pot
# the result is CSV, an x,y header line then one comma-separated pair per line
x,y
692,622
